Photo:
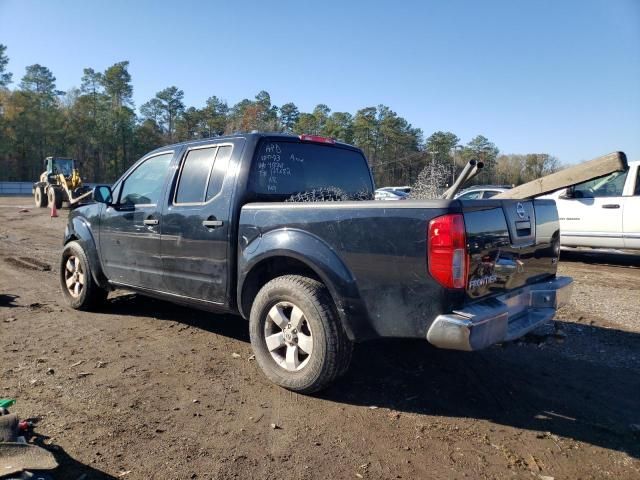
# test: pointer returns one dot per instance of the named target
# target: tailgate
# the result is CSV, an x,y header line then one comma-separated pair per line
x,y
512,243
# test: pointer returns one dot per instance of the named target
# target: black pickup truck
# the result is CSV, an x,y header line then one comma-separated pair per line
x,y
278,229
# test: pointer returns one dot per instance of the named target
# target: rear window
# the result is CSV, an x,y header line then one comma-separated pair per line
x,y
284,169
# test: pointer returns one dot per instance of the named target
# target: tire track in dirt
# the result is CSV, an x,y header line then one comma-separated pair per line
x,y
28,263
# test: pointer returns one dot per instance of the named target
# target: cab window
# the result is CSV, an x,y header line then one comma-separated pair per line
x,y
144,185
610,186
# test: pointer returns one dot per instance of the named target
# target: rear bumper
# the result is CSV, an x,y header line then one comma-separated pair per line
x,y
498,319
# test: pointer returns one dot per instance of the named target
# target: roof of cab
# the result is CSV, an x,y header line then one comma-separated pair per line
x,y
257,135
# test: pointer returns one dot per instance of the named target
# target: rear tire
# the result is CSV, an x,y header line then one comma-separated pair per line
x,y
76,280
296,334
40,198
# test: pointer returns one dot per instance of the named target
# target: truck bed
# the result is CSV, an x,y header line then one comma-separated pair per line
x,y
380,252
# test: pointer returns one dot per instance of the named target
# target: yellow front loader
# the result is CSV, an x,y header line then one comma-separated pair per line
x,y
60,182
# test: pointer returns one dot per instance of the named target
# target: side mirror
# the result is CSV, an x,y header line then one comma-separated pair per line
x,y
103,194
568,194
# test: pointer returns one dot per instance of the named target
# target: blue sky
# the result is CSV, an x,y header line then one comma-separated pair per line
x,y
561,77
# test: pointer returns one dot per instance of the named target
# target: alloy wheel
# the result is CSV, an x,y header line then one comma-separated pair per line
x,y
74,276
288,336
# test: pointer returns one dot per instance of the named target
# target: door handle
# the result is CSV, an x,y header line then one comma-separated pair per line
x,y
611,205
212,223
151,221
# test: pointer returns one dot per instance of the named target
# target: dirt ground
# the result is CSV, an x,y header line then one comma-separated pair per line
x,y
145,389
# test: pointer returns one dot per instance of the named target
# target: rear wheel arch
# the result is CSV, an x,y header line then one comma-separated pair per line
x,y
352,318
266,270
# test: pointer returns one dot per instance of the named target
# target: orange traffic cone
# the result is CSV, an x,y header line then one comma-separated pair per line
x,y
54,211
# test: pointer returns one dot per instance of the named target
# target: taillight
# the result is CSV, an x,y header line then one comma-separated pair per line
x,y
447,250
317,139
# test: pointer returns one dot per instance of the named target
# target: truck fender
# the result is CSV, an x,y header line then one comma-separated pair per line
x,y
322,260
79,231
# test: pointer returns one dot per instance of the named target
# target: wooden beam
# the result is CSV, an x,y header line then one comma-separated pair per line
x,y
583,172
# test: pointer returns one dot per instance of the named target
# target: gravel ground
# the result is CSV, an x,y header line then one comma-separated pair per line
x,y
144,389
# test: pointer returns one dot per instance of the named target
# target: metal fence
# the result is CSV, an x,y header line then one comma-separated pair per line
x,y
15,188
21,188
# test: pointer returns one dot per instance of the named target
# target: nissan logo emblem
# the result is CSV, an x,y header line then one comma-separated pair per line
x,y
520,210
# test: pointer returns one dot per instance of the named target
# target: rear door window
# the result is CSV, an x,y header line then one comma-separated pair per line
x,y
194,175
202,173
219,170
282,169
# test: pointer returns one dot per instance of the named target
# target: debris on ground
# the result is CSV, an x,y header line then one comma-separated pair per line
x,y
17,454
6,402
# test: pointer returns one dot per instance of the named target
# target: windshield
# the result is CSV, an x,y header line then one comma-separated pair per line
x,y
63,166
284,169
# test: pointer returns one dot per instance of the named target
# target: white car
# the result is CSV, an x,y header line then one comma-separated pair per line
x,y
478,192
405,189
383,194
601,213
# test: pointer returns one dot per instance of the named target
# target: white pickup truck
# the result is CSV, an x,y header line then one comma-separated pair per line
x,y
601,213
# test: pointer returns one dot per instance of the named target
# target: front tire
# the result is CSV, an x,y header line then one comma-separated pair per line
x,y
76,280
55,197
296,334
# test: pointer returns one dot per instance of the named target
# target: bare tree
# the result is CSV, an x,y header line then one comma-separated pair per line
x,y
431,181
